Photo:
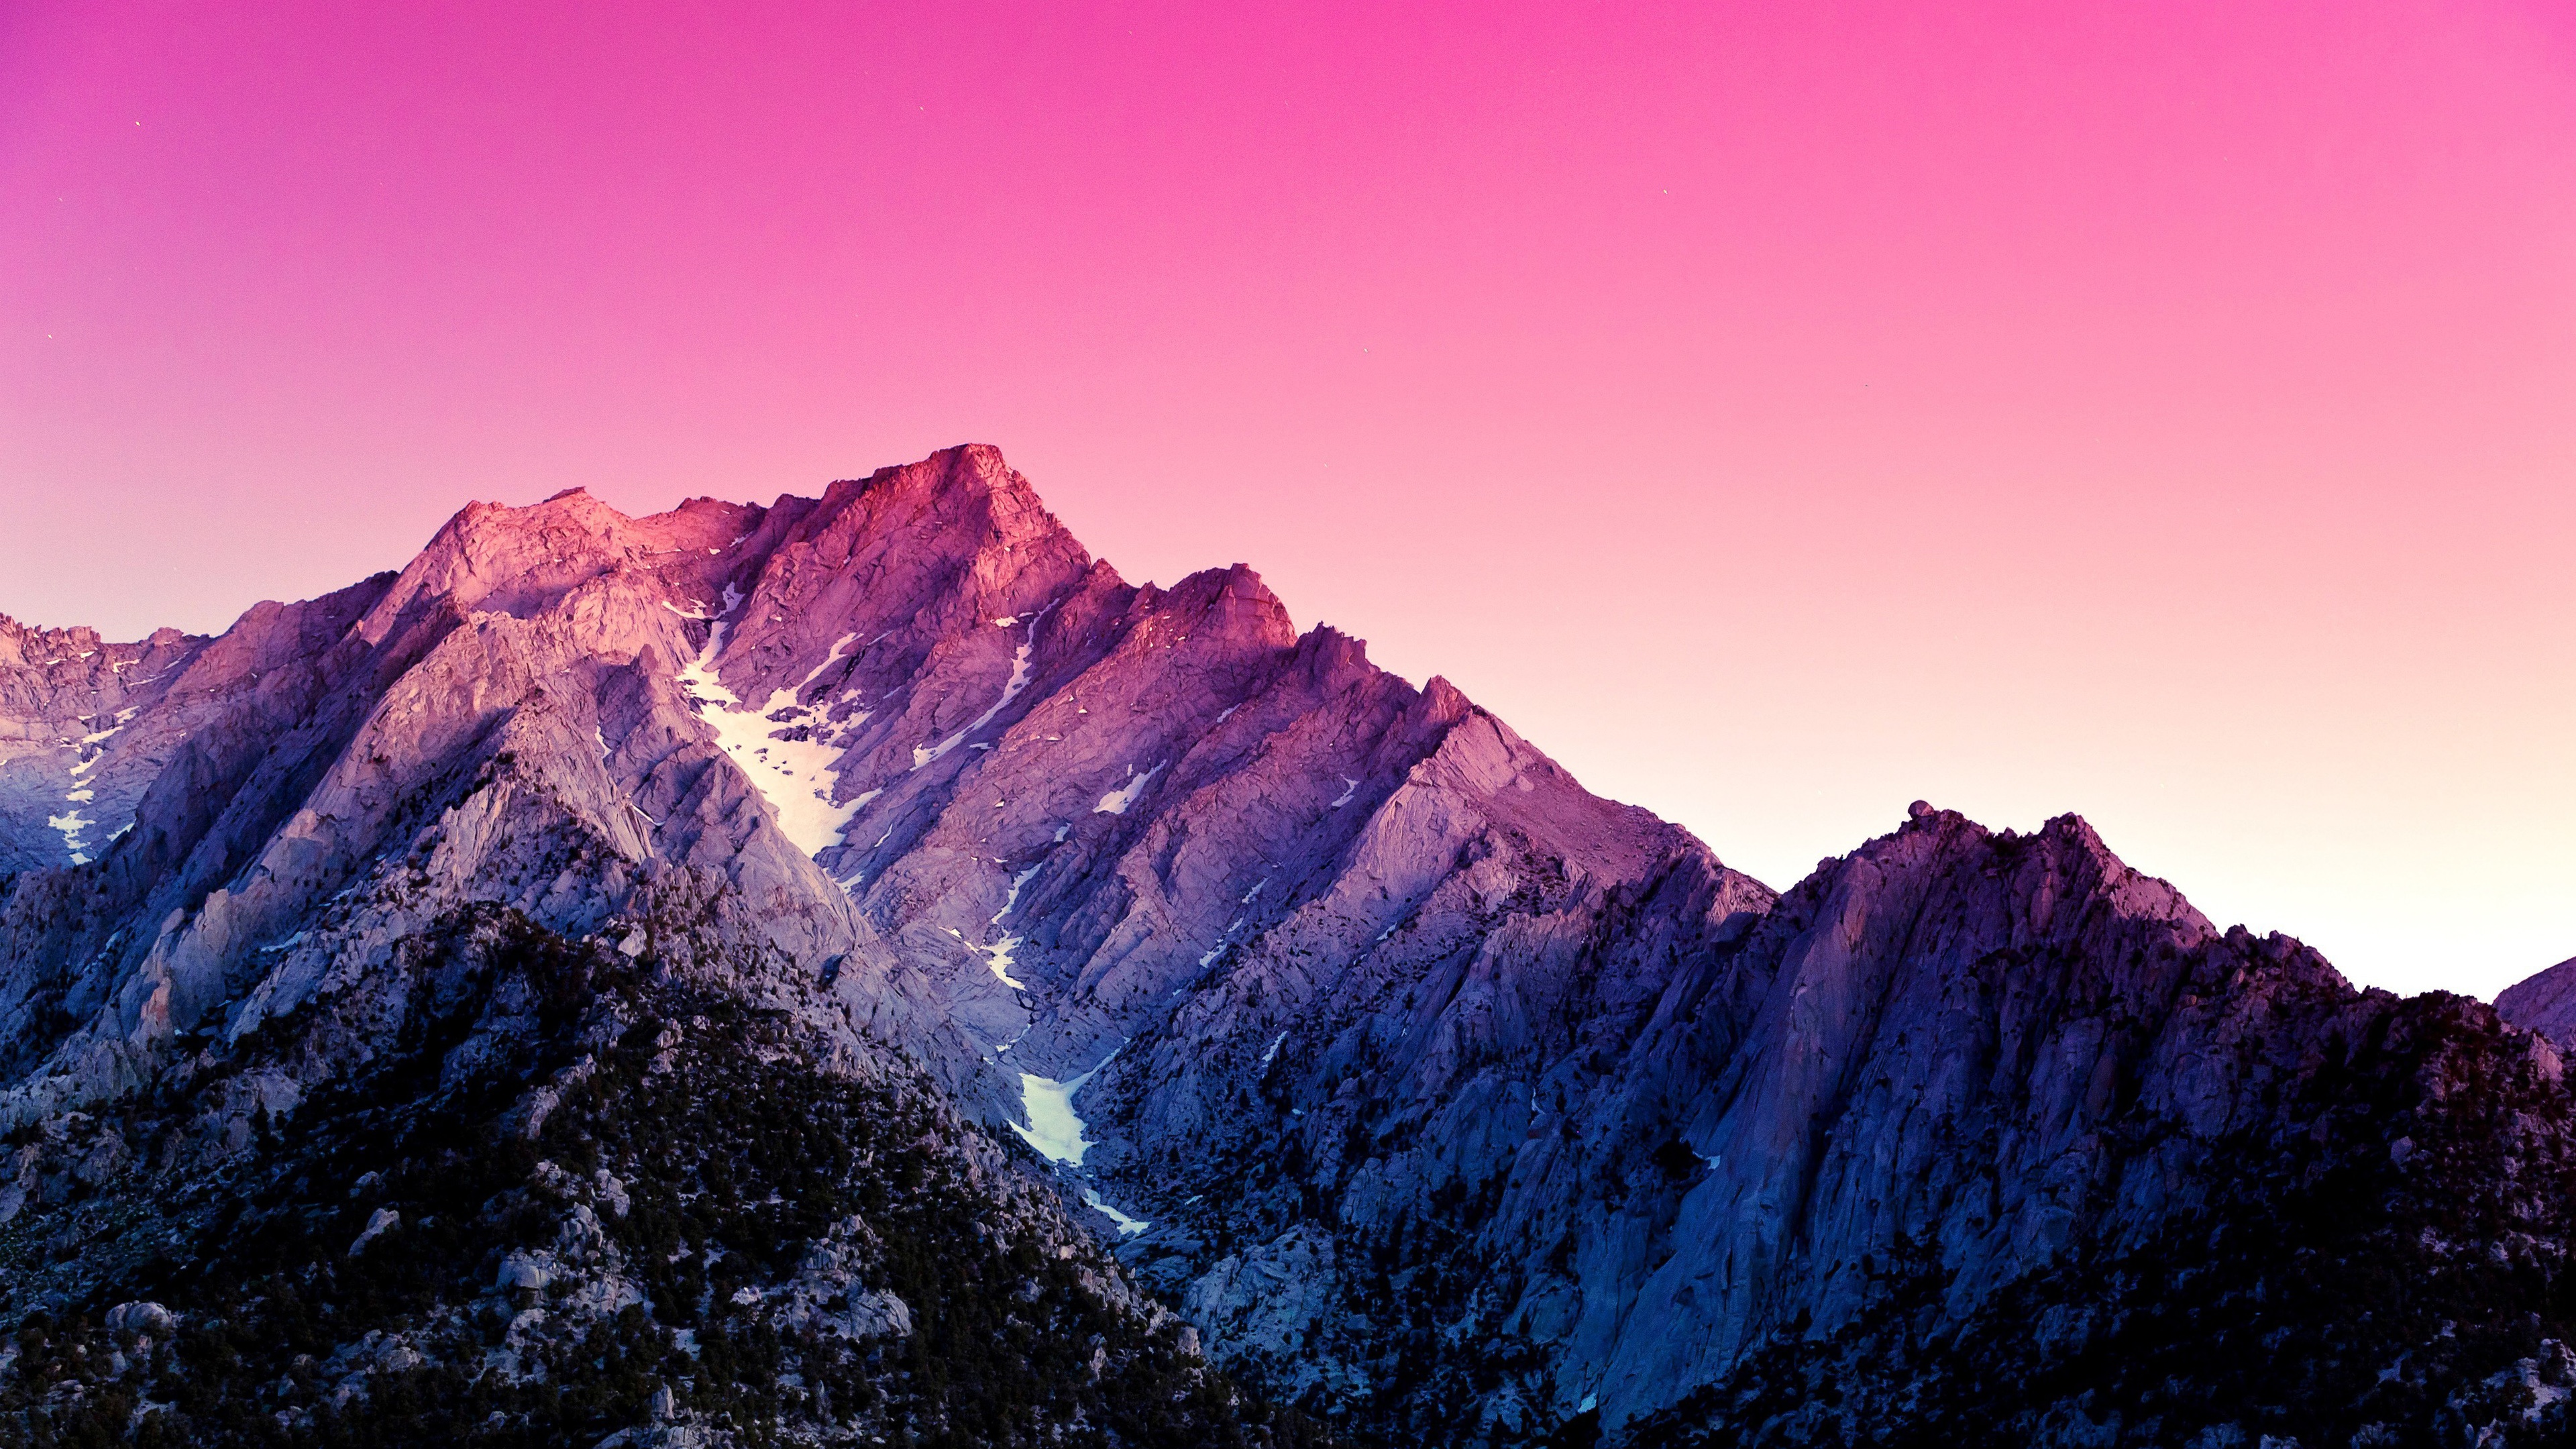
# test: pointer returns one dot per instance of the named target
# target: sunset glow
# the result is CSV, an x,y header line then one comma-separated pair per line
x,y
1776,412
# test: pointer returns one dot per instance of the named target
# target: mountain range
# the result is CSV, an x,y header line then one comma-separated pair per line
x,y
858,970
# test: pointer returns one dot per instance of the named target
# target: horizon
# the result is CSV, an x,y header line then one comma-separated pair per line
x,y
1777,416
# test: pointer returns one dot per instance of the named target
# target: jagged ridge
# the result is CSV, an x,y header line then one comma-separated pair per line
x,y
1443,1096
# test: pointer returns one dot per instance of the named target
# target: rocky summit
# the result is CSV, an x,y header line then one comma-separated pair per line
x,y
859,971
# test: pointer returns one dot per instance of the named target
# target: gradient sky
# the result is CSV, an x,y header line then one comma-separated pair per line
x,y
1779,412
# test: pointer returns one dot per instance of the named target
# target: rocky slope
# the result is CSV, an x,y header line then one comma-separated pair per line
x,y
708,1222
71,761
2545,1003
788,950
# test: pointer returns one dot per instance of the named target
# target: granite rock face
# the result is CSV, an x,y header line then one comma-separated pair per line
x,y
69,759
2544,1003
1441,1097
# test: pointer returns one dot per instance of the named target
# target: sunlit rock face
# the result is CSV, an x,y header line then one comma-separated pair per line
x,y
1406,1081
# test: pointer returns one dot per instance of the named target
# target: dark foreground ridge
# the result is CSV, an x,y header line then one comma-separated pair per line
x,y
859,971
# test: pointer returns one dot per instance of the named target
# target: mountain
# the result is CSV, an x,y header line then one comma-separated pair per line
x,y
859,970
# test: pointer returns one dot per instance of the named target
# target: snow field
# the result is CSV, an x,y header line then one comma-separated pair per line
x,y
796,777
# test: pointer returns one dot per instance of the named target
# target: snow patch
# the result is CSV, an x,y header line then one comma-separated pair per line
x,y
71,823
1019,680
840,646
1054,1130
1117,801
1127,1227
1273,1054
1017,881
797,777
999,957
1350,787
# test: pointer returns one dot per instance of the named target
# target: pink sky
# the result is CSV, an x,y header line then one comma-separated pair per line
x,y
1779,412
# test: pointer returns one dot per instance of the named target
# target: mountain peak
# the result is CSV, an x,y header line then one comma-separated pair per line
x,y
967,478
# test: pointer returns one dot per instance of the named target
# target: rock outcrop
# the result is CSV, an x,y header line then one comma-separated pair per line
x,y
2544,1003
